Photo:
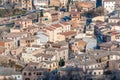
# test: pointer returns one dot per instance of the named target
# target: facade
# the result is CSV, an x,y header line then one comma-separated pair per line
x,y
32,71
72,7
86,5
29,41
63,2
27,4
54,3
54,31
107,46
7,45
51,16
59,53
96,72
78,45
109,5
39,4
15,36
114,20
21,25
75,19
51,65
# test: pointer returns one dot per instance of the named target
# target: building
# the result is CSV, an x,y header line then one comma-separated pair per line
x,y
86,5
75,19
59,53
107,46
27,4
117,8
54,31
8,45
21,24
33,72
9,73
78,45
73,72
39,4
109,5
63,3
15,36
50,65
72,7
68,35
113,19
54,3
50,16
29,41
35,54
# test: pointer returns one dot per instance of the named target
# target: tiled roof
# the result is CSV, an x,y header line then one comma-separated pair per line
x,y
68,33
56,25
65,23
85,4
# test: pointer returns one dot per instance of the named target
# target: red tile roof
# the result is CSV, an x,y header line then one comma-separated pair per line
x,y
68,33
56,25
65,23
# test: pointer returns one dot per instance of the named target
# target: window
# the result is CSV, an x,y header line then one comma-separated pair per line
x,y
99,72
39,73
25,73
34,73
29,74
94,73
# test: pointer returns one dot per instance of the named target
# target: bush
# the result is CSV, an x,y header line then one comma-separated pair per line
x,y
11,12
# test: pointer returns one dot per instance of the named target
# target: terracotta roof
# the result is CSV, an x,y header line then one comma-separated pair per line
x,y
56,25
52,27
65,23
68,33
48,28
85,4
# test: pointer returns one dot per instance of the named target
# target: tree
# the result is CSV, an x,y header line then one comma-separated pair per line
x,y
11,63
100,11
56,8
61,62
94,12
41,13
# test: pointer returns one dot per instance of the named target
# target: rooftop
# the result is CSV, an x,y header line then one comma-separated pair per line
x,y
68,33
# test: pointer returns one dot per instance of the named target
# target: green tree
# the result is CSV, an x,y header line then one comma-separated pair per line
x,y
56,8
61,62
